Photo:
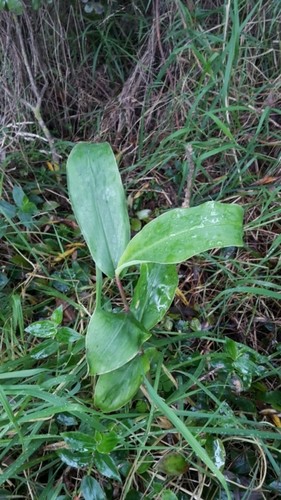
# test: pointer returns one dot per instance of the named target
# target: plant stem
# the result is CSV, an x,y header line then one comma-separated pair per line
x,y
98,287
191,168
122,293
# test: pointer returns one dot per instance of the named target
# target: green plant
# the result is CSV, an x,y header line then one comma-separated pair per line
x,y
117,342
23,209
17,6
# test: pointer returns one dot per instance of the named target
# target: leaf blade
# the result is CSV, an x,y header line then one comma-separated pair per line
x,y
98,201
181,233
154,293
112,340
115,389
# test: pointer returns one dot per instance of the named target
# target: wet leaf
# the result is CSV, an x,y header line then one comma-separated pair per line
x,y
246,368
106,466
67,335
112,340
74,458
216,451
79,441
181,233
154,293
98,201
42,329
44,349
66,420
91,489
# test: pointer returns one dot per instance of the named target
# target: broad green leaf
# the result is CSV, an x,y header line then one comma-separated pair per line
x,y
78,441
112,340
178,234
42,329
154,293
117,388
106,466
75,459
98,201
216,451
91,489
106,441
246,368
67,335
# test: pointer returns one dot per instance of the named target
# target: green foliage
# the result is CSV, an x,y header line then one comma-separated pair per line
x,y
214,360
113,339
17,6
99,204
23,209
116,388
216,450
98,201
154,293
182,233
91,489
51,329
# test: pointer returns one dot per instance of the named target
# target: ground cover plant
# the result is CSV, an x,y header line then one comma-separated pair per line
x,y
188,95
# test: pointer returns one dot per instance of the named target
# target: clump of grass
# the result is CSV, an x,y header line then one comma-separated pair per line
x,y
204,74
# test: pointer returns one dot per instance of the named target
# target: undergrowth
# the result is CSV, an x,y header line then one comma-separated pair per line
x,y
188,94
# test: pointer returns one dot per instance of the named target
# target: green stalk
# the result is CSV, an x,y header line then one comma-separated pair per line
x,y
98,287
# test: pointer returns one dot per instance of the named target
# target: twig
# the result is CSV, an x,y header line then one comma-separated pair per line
x,y
122,293
191,168
38,95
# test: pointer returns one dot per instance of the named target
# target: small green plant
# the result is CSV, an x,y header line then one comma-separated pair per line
x,y
23,209
116,342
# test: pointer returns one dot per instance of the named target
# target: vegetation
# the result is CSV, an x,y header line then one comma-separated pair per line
x,y
188,94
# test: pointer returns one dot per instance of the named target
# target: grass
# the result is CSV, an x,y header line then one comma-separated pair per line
x,y
166,74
